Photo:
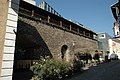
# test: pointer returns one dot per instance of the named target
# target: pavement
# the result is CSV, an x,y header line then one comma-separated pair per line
x,y
22,75
104,71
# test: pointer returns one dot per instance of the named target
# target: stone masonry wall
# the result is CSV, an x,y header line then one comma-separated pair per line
x,y
3,19
50,39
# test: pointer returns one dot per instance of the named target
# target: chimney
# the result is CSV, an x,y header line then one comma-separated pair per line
x,y
30,1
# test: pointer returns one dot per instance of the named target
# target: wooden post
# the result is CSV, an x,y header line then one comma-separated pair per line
x,y
32,13
60,23
89,35
48,19
84,33
70,27
78,29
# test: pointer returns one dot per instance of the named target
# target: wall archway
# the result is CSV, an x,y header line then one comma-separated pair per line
x,y
64,49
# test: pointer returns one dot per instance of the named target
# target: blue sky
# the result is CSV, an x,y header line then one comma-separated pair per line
x,y
94,14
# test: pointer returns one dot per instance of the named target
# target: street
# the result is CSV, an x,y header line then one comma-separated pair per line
x,y
104,71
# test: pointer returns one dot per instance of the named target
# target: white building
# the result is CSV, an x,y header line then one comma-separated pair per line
x,y
114,45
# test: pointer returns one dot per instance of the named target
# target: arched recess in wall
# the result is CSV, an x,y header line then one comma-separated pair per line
x,y
64,50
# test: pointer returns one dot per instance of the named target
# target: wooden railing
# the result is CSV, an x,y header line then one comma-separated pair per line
x,y
24,64
67,26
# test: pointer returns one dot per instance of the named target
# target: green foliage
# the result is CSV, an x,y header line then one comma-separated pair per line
x,y
50,69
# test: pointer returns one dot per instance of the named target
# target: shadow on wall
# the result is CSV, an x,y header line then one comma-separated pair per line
x,y
29,43
29,47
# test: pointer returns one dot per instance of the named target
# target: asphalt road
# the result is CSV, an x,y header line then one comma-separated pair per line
x,y
104,71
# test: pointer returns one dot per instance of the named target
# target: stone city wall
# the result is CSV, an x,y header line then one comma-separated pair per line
x,y
47,39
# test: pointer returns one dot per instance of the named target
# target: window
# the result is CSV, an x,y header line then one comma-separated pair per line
x,y
101,36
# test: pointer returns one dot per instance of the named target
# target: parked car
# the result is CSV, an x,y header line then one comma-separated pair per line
x,y
113,56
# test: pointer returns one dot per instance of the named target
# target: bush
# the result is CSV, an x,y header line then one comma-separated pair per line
x,y
50,69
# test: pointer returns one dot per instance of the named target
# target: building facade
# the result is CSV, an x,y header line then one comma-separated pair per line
x,y
8,22
114,43
103,43
116,13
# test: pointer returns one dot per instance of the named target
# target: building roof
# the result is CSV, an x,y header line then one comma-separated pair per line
x,y
39,10
116,40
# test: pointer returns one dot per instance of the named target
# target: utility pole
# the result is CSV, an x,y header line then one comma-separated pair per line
x,y
119,14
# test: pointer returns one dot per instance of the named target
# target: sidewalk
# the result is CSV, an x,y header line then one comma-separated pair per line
x,y
104,71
